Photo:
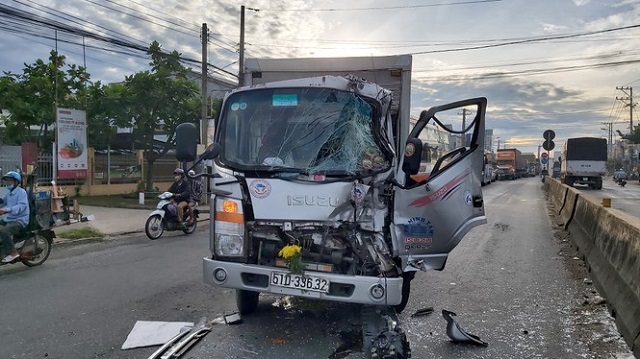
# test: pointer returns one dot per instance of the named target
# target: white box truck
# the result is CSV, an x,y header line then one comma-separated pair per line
x,y
313,194
583,160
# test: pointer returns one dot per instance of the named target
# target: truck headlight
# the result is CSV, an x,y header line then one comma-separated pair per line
x,y
228,239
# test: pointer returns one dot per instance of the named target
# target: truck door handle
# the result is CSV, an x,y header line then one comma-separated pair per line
x,y
477,201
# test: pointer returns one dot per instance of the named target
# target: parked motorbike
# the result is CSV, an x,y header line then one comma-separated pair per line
x,y
165,217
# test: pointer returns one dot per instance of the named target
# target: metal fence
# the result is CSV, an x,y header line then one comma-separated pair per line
x,y
105,167
10,159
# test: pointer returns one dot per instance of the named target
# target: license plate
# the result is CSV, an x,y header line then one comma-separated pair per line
x,y
303,282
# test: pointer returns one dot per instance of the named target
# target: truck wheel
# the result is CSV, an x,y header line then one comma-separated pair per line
x,y
406,291
247,301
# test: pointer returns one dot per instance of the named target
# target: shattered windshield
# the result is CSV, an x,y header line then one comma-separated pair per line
x,y
307,130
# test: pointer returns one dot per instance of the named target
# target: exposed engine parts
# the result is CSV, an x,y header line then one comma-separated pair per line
x,y
382,336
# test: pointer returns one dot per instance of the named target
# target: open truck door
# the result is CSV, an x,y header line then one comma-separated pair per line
x,y
441,199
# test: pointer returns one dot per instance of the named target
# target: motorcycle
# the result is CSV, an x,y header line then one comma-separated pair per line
x,y
621,182
165,217
33,245
34,242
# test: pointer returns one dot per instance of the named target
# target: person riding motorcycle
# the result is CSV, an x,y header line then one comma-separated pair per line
x,y
619,175
196,194
181,190
15,207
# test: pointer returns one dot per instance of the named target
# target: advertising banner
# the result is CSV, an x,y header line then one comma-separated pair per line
x,y
72,143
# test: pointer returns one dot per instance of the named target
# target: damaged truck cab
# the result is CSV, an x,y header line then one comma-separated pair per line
x,y
323,188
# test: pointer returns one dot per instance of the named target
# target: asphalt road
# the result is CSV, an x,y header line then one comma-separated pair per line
x,y
513,282
625,199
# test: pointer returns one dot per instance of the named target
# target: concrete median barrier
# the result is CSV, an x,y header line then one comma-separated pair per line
x,y
568,206
609,242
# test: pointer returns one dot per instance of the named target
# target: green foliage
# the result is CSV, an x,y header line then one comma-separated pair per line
x,y
152,101
80,233
633,137
155,100
31,98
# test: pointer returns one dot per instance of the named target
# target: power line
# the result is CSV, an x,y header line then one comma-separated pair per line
x,y
387,7
38,21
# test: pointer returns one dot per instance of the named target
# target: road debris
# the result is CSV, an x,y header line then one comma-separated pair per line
x,y
457,334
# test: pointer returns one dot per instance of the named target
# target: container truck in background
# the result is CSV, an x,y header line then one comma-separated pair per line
x,y
531,161
312,194
487,171
510,164
583,160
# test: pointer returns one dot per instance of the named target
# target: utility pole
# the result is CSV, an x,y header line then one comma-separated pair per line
x,y
609,130
203,92
241,50
464,125
241,47
631,105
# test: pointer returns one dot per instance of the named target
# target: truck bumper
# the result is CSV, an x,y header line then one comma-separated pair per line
x,y
342,288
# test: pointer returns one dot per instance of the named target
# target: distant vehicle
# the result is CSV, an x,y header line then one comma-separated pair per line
x,y
487,172
556,170
584,161
511,165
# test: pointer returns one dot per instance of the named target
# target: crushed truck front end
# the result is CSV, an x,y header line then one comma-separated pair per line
x,y
297,160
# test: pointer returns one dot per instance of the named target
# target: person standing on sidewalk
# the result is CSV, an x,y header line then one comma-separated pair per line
x,y
15,208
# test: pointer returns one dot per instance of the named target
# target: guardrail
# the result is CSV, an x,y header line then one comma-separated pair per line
x,y
610,245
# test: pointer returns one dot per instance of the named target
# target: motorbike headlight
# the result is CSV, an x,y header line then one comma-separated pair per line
x,y
229,228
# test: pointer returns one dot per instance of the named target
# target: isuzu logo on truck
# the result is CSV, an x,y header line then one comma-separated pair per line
x,y
322,201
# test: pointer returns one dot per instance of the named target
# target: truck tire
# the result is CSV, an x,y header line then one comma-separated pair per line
x,y
247,301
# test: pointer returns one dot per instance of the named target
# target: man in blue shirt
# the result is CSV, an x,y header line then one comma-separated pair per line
x,y
15,208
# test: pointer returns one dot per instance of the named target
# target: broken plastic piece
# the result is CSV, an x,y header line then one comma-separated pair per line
x,y
179,348
457,334
422,312
233,318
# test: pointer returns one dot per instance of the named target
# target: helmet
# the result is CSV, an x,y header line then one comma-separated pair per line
x,y
13,175
178,171
191,173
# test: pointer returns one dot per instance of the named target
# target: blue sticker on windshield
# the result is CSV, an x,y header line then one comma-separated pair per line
x,y
279,100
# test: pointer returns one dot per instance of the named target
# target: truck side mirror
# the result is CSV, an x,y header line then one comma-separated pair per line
x,y
186,142
412,156
212,151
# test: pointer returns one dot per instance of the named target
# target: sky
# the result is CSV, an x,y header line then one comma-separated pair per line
x,y
565,65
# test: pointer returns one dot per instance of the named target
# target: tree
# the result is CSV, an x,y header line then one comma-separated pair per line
x,y
155,101
31,98
633,137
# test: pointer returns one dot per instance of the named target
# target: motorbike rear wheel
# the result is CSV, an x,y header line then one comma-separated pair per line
x,y
35,250
190,228
154,227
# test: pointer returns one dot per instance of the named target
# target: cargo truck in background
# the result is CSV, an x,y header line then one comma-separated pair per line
x,y
583,160
312,188
510,164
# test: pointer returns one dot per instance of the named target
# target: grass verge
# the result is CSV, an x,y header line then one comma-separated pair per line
x,y
79,233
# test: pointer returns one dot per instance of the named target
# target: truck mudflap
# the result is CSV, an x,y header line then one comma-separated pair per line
x,y
324,286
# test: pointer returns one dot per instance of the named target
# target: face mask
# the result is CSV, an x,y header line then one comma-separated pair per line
x,y
10,187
